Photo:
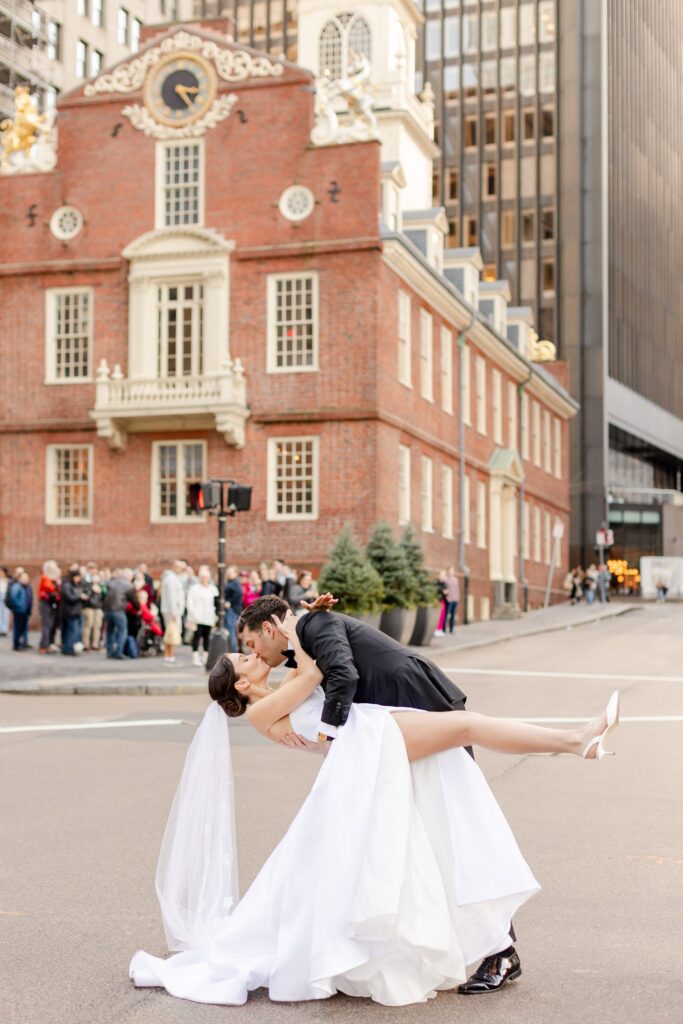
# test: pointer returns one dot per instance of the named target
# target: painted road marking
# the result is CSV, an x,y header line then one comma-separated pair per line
x,y
550,674
69,726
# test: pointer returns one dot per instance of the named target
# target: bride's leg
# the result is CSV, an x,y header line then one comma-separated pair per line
x,y
429,732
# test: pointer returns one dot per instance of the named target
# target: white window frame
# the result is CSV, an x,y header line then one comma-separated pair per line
x,y
467,517
526,440
466,389
271,322
161,150
405,376
557,447
427,494
480,398
198,327
51,516
547,538
446,370
547,443
481,514
497,388
272,515
512,415
155,515
404,484
536,432
426,355
526,539
447,502
51,334
537,533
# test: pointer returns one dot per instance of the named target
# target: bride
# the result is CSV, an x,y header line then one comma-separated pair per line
x,y
397,872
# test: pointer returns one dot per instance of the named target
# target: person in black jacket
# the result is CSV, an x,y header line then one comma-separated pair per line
x,y
233,604
73,595
362,665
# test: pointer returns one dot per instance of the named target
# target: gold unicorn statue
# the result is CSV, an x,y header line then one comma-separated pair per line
x,y
21,134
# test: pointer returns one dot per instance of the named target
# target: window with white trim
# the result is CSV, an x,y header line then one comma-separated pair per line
x,y
537,534
536,432
466,386
526,540
68,334
292,323
446,501
293,477
547,541
497,389
342,37
480,398
481,514
403,484
467,519
175,466
180,330
68,484
427,493
446,370
180,183
512,415
426,356
122,26
547,443
404,352
557,447
525,425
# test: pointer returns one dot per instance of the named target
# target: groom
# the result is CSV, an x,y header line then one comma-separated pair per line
x,y
362,665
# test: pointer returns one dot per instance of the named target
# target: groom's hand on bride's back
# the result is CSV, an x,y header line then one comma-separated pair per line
x,y
296,742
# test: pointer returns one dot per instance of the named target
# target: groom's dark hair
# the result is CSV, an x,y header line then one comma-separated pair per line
x,y
261,610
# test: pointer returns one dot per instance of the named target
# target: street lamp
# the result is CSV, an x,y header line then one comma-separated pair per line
x,y
220,498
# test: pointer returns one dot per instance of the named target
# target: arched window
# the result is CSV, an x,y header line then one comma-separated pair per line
x,y
340,37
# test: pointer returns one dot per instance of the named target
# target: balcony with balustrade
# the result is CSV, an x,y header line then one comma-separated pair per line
x,y
211,401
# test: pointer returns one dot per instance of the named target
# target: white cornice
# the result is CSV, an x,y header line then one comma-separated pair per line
x,y
170,243
456,312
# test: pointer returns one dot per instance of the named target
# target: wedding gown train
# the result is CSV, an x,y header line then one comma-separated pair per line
x,y
391,879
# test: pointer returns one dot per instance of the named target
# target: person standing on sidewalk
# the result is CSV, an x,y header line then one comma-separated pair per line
x,y
48,605
201,610
120,591
92,612
233,604
452,595
604,580
173,607
20,603
4,610
73,594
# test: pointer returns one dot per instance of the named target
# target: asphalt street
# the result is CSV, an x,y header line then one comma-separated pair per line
x,y
83,810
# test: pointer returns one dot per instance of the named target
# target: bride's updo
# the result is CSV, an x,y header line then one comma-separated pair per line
x,y
222,679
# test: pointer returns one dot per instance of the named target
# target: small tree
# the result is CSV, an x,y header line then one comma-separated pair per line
x,y
425,587
350,577
390,562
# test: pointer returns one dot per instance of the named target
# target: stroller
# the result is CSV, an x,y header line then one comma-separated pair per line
x,y
149,643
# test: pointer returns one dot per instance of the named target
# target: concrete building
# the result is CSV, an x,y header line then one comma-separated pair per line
x,y
185,306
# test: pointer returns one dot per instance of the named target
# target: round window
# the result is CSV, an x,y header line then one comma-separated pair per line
x,y
296,202
66,222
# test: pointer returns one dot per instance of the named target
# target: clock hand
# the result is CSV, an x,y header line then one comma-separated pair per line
x,y
183,90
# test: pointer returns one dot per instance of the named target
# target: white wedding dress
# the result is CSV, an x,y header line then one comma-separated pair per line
x,y
391,879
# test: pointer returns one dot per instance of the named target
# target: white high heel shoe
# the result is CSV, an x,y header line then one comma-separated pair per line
x,y
612,723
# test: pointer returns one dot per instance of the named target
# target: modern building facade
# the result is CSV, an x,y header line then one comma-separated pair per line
x,y
184,306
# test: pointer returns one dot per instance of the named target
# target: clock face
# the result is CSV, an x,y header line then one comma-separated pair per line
x,y
180,89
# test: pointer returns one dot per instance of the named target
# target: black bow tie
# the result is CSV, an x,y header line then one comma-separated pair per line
x,y
290,661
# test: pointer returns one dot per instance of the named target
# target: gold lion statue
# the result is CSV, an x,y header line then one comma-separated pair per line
x,y
21,134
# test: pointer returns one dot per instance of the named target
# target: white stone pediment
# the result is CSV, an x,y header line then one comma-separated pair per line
x,y
506,462
178,243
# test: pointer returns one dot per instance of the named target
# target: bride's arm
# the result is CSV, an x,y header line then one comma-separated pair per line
x,y
265,713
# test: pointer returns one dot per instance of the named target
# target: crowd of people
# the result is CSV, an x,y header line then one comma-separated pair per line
x,y
128,614
586,585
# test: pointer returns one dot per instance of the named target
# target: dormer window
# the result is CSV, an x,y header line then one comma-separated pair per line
x,y
341,37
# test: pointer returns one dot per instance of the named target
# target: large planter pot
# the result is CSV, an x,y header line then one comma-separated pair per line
x,y
398,623
369,618
426,621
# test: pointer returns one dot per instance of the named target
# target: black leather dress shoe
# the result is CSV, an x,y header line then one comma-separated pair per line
x,y
492,973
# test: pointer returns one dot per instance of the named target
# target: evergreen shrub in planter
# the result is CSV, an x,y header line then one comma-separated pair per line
x,y
427,596
398,615
352,579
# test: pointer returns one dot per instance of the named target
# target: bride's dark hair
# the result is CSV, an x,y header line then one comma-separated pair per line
x,y
222,679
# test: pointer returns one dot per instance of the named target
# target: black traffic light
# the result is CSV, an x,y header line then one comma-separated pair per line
x,y
205,497
239,497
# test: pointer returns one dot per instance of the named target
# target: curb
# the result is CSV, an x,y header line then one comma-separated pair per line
x,y
101,689
505,637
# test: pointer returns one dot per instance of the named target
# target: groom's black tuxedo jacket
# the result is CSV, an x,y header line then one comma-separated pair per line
x,y
363,665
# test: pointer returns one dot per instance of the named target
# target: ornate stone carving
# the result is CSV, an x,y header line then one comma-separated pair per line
x,y
27,141
539,351
141,119
354,91
231,65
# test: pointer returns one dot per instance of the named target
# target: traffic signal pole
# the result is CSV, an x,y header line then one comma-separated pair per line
x,y
233,499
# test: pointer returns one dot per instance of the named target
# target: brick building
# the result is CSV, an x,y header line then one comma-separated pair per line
x,y
197,289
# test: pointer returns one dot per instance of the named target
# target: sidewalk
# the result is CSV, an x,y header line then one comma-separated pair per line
x,y
31,673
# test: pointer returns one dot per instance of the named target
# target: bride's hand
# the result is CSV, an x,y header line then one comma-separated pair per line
x,y
286,625
324,602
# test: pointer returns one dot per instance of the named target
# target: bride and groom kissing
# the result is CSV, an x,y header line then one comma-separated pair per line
x,y
398,871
